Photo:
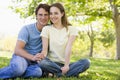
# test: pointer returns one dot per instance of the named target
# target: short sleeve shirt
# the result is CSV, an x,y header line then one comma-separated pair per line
x,y
30,35
57,41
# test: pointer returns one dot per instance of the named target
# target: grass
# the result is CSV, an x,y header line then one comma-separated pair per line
x,y
100,69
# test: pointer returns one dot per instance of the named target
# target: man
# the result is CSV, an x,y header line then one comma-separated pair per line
x,y
28,48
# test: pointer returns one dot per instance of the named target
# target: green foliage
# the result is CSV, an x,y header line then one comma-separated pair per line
x,y
107,34
80,46
107,38
73,7
116,2
25,8
98,8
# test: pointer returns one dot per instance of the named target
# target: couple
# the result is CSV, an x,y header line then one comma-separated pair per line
x,y
32,57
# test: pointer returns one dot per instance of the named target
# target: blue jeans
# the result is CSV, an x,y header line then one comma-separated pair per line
x,y
75,68
20,67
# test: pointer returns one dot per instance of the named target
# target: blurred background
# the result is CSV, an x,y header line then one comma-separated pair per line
x,y
93,19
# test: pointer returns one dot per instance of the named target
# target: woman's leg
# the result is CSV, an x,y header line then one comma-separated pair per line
x,y
49,66
78,67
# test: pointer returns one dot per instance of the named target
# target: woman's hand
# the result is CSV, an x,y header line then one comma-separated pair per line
x,y
38,57
65,69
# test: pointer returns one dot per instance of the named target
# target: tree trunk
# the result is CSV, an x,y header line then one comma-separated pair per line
x,y
116,19
91,48
91,36
117,28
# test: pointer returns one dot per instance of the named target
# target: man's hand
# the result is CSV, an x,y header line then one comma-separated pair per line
x,y
65,69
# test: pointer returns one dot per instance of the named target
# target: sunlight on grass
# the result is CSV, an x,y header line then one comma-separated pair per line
x,y
6,54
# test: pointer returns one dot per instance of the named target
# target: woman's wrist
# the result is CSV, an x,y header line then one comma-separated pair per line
x,y
44,52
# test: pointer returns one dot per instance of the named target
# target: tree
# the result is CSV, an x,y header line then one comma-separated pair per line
x,y
91,37
115,5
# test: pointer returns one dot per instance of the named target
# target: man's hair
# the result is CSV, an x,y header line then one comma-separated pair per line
x,y
44,6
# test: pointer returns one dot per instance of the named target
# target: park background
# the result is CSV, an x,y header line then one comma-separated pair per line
x,y
98,23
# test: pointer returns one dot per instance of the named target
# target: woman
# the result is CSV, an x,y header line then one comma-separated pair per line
x,y
60,37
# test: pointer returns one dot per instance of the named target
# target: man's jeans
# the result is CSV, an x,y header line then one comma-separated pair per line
x,y
20,67
75,68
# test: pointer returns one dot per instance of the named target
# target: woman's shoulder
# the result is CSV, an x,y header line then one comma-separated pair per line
x,y
48,26
71,27
73,30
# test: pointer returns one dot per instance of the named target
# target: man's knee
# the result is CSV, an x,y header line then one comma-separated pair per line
x,y
17,70
33,72
37,72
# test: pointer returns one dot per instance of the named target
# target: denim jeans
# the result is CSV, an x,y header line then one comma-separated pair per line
x,y
20,67
75,68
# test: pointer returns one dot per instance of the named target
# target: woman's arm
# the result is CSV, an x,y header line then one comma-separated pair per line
x,y
44,46
67,53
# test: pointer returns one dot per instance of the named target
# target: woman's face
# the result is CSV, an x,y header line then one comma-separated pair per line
x,y
55,15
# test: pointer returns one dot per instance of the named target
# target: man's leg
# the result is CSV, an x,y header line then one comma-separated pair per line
x,y
78,67
33,71
16,68
50,66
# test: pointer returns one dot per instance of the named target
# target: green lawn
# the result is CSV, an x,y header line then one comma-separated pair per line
x,y
100,69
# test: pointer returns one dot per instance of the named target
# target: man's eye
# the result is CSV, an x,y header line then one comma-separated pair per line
x,y
40,14
46,14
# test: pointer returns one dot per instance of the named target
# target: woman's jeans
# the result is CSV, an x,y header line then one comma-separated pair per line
x,y
75,68
20,67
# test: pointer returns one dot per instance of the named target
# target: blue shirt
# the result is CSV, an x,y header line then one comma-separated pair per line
x,y
30,35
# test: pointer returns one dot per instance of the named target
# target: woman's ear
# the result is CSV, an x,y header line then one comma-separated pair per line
x,y
62,13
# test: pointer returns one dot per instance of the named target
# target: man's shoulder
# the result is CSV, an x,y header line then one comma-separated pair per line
x,y
30,25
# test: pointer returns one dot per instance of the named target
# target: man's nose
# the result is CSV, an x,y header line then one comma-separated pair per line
x,y
43,16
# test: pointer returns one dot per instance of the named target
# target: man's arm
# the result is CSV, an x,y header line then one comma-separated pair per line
x,y
19,50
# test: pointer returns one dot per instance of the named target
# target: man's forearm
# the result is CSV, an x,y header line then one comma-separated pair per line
x,y
24,54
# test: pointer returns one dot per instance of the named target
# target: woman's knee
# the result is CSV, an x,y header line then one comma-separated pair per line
x,y
44,62
86,62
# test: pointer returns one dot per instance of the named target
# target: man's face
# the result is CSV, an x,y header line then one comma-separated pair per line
x,y
42,17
